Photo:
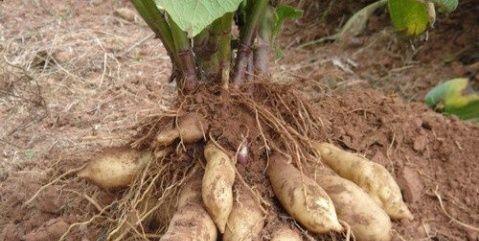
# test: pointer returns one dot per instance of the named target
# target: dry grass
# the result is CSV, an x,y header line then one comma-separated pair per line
x,y
72,75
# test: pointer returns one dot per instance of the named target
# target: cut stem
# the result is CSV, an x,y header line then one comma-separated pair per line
x,y
202,52
224,42
213,49
246,40
262,52
186,59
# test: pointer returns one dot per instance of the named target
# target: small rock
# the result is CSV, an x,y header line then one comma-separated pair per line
x,y
126,14
420,143
411,184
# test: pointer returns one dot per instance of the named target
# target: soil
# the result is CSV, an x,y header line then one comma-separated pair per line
x,y
381,58
73,76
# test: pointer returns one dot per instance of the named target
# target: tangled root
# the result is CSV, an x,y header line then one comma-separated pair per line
x,y
243,129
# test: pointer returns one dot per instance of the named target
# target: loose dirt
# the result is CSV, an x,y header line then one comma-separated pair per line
x,y
79,78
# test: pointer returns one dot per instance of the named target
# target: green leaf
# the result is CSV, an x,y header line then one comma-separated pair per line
x,y
357,23
442,92
446,5
455,97
469,111
192,16
409,16
283,13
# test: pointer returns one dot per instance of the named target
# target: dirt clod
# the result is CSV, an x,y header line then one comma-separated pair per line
x,y
56,228
411,184
10,233
420,143
52,230
49,201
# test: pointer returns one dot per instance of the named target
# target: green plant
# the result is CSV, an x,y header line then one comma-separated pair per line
x,y
413,16
227,102
198,37
455,97
410,17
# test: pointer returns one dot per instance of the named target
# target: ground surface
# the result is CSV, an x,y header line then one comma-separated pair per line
x,y
75,77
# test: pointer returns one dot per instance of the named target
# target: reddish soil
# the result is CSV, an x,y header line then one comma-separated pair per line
x,y
87,76
380,58
430,155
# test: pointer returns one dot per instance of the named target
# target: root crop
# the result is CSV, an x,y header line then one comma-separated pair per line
x,y
370,176
260,142
366,219
217,186
302,198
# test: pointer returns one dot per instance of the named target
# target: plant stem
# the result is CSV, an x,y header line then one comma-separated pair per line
x,y
246,40
224,51
250,68
200,45
262,52
213,49
206,53
186,59
157,22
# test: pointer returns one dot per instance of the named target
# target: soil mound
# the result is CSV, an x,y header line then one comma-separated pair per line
x,y
434,159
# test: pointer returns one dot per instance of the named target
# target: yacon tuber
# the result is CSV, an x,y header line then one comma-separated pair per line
x,y
246,219
115,167
190,129
370,176
302,198
217,186
191,222
367,220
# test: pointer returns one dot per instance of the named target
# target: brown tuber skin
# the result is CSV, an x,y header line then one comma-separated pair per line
x,y
191,128
217,186
246,219
315,210
370,176
285,234
115,167
367,220
191,222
